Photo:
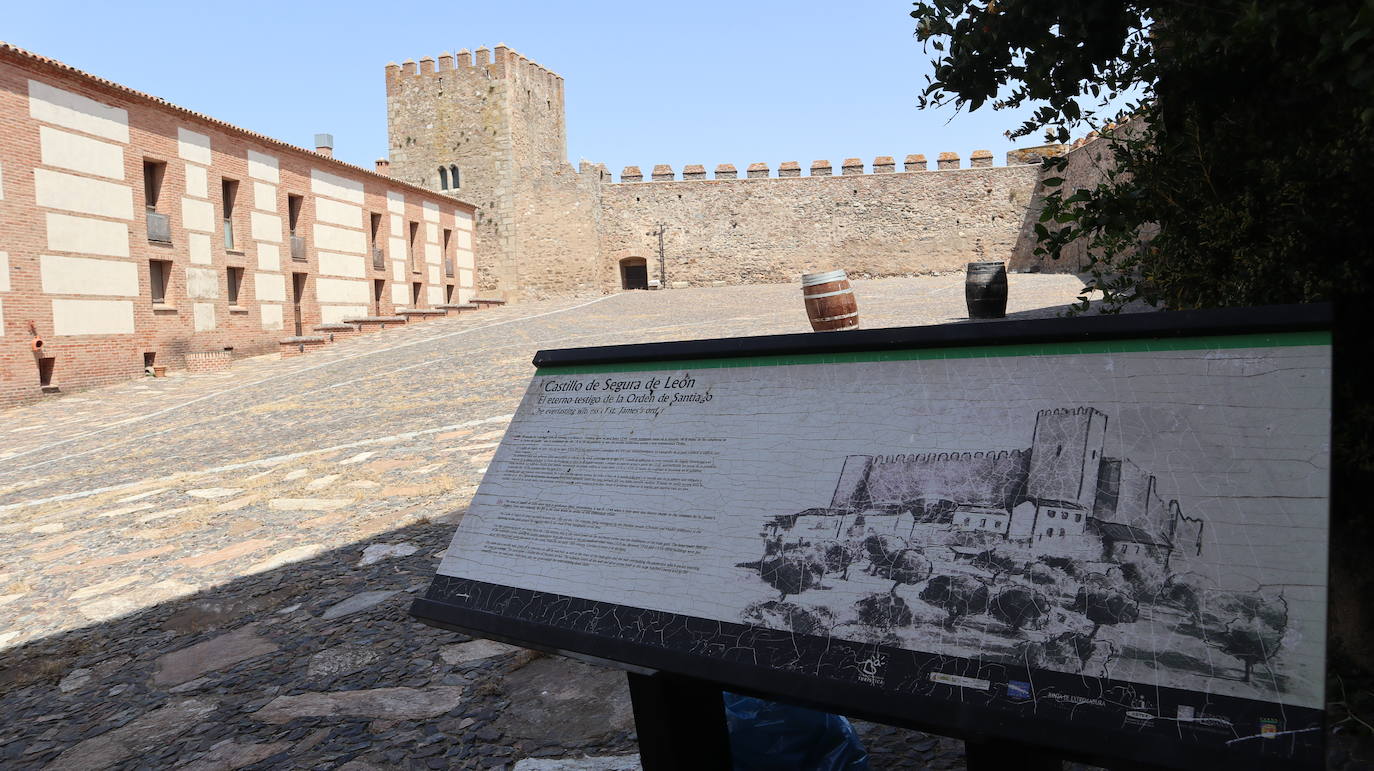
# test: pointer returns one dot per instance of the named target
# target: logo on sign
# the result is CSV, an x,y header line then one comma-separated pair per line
x,y
870,669
1269,728
1186,713
1018,689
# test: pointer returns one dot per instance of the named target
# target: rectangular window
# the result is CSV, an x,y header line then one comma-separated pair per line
x,y
235,276
448,234
376,227
159,280
229,191
378,256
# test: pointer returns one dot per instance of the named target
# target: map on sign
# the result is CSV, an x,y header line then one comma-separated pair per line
x,y
1128,535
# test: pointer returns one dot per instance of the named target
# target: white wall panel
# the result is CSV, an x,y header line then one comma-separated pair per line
x,y
87,236
431,233
193,146
271,316
204,316
324,183
270,287
465,259
74,111
197,215
197,183
400,295
338,213
465,279
266,227
398,227
198,247
93,317
264,167
269,257
464,239
395,202
202,283
337,239
342,265
434,275
333,314
340,290
58,190
430,211
87,275
264,196
4,272
73,151
433,254
2,318
435,294
398,270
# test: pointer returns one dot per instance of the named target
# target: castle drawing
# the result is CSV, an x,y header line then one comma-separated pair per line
x,y
1062,497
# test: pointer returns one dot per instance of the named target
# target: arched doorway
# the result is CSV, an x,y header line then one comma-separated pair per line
x,y
634,273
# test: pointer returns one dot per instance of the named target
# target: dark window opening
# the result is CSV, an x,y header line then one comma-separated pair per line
x,y
294,203
378,285
453,177
45,367
410,247
415,294
235,277
378,256
158,225
229,191
448,294
148,358
443,178
159,280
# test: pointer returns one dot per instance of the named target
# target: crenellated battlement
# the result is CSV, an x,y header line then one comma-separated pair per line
x,y
501,62
883,164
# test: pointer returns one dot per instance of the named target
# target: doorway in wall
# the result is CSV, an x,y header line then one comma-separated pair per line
x,y
297,294
634,273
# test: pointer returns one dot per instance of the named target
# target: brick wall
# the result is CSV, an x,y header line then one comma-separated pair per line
x,y
77,253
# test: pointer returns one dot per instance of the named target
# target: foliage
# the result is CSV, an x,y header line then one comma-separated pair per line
x,y
1250,640
1018,605
957,595
910,566
790,574
885,611
1239,179
1105,606
777,614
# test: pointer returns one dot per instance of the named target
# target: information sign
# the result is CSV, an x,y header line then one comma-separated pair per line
x,y
1106,536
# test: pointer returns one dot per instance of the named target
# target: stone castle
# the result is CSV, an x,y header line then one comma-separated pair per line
x,y
488,127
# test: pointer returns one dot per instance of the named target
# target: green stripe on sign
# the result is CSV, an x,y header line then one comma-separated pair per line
x,y
1211,343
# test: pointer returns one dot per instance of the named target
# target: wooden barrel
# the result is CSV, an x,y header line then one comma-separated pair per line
x,y
830,303
985,290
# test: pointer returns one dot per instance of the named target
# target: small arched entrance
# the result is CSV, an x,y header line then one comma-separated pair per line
x,y
634,273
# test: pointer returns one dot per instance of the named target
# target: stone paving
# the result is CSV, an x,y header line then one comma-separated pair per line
x,y
212,571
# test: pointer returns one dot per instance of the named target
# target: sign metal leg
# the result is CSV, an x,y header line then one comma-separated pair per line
x,y
680,722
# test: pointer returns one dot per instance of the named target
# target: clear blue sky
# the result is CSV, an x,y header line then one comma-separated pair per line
x,y
646,82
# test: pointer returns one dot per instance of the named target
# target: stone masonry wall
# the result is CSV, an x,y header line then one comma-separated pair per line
x,y
772,229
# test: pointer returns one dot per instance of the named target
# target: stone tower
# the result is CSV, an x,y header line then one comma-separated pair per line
x,y
497,119
1066,454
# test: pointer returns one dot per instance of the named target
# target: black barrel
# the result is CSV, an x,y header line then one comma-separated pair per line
x,y
985,290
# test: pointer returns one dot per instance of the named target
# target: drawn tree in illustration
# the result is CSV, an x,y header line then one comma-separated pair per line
x,y
910,566
884,611
1105,605
791,573
882,549
1018,605
956,595
1254,633
778,614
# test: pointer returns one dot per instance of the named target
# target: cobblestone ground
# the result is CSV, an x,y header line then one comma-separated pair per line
x,y
212,571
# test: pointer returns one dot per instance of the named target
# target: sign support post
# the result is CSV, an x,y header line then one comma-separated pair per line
x,y
680,722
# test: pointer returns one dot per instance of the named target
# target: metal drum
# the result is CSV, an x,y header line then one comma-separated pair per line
x,y
830,302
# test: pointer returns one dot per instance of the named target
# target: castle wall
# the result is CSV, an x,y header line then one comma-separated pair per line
x,y
991,479
772,229
1066,455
